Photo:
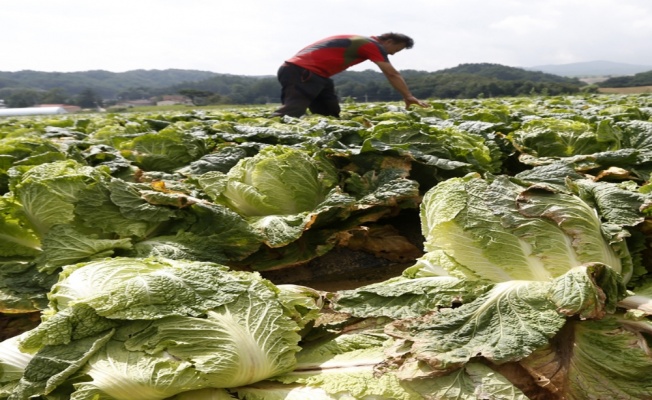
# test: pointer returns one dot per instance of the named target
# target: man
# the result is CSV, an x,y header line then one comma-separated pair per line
x,y
305,78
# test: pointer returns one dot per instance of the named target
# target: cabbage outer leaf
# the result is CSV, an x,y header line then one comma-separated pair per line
x,y
600,359
507,323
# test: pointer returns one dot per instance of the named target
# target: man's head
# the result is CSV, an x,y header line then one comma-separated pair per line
x,y
395,42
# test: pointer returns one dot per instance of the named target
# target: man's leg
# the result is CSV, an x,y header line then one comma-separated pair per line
x,y
295,103
300,88
326,103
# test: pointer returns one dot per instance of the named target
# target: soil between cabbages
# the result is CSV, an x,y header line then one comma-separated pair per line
x,y
344,268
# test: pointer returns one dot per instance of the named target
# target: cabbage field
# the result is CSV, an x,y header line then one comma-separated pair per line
x,y
476,249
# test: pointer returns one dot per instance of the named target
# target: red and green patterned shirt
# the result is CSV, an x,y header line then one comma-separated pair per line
x,y
334,54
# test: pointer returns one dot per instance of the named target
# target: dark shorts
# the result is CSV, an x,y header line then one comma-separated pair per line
x,y
304,90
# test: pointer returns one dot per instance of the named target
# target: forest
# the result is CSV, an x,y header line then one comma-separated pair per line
x,y
640,79
92,88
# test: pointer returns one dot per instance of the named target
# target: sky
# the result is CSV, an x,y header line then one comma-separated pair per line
x,y
253,37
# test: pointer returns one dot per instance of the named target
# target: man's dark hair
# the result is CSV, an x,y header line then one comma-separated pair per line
x,y
399,38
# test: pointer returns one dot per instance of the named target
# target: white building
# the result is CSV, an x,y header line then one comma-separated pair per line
x,y
14,112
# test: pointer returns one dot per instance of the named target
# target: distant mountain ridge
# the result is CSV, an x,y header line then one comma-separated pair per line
x,y
109,85
26,88
592,68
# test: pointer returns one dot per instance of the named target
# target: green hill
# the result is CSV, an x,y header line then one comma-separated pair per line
x,y
502,72
640,79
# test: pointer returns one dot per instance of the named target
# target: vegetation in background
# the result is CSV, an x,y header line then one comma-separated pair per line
x,y
26,88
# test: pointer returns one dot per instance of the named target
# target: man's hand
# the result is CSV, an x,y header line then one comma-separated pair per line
x,y
413,100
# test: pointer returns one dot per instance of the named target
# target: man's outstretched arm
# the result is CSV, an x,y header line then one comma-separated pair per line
x,y
396,80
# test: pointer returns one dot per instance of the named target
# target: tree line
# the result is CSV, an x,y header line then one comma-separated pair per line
x,y
101,88
640,79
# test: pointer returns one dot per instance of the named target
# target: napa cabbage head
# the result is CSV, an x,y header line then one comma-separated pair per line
x,y
279,180
499,231
235,345
178,326
49,192
558,137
